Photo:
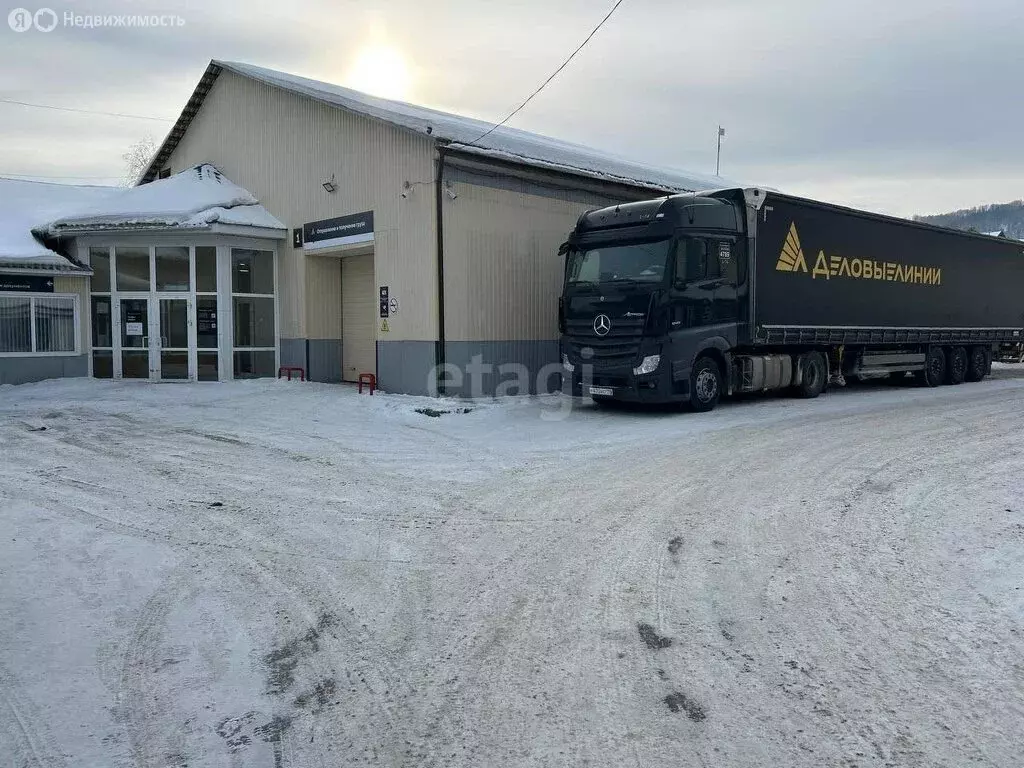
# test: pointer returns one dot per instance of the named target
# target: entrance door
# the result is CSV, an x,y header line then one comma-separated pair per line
x,y
359,317
135,339
173,342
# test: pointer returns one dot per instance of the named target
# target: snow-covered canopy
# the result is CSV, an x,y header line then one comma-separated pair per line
x,y
24,204
196,198
505,143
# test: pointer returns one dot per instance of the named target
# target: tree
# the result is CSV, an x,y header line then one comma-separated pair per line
x,y
137,159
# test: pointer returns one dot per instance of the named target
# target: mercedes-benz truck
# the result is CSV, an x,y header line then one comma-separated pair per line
x,y
690,298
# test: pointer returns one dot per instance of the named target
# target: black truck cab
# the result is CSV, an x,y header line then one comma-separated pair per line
x,y
648,287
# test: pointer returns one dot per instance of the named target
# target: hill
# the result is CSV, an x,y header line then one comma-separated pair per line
x,y
998,217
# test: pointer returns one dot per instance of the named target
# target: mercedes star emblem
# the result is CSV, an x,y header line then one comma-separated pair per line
x,y
602,324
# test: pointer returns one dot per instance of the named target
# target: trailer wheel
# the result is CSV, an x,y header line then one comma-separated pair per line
x,y
813,375
976,364
956,365
934,368
705,385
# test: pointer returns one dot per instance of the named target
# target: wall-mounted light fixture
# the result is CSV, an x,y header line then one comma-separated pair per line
x,y
330,186
450,191
406,190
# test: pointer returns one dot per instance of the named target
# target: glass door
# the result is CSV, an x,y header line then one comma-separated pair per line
x,y
174,343
135,339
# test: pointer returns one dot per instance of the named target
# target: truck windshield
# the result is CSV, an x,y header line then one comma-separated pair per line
x,y
631,262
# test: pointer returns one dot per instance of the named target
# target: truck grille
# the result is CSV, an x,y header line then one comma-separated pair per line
x,y
619,348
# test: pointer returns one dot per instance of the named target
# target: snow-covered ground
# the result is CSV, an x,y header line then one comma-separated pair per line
x,y
274,574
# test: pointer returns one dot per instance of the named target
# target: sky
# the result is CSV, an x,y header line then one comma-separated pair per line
x,y
897,106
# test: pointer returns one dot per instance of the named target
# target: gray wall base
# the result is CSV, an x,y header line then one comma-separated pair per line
x,y
406,367
21,370
488,368
293,352
475,368
323,361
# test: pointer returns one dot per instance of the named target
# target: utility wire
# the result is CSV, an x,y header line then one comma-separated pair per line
x,y
88,111
41,176
554,74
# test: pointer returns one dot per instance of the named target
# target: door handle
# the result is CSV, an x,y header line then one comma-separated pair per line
x,y
145,341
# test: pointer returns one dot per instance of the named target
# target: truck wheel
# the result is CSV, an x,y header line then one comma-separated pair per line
x,y
813,376
976,360
934,368
705,385
956,365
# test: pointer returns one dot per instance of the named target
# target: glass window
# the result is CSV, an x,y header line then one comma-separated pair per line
x,y
135,323
15,324
174,323
714,263
132,269
102,334
252,365
252,271
637,262
172,269
254,322
55,325
206,322
208,370
691,259
99,260
206,269
103,364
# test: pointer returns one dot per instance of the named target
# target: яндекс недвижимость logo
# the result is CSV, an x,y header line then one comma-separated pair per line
x,y
791,259
22,20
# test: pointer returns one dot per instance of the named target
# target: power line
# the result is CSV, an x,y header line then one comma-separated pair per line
x,y
41,176
88,111
552,77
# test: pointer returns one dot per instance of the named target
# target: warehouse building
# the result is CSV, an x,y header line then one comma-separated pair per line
x,y
343,234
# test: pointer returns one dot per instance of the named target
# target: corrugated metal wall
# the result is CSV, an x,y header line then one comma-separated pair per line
x,y
282,147
502,270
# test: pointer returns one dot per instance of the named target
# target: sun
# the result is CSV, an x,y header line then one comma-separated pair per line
x,y
380,71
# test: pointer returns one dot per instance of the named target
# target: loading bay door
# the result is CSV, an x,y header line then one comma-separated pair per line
x,y
359,317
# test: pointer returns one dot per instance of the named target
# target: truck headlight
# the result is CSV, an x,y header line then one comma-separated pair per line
x,y
648,365
566,364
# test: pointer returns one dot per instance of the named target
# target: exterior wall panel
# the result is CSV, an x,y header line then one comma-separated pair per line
x,y
78,284
282,147
503,274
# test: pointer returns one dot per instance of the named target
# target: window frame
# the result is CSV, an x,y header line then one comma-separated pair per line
x,y
76,318
275,267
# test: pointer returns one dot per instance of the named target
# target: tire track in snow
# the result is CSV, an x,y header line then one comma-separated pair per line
x,y
24,736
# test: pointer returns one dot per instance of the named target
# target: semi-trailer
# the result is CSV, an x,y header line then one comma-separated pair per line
x,y
690,298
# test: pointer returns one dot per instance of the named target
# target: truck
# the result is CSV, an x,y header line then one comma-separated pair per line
x,y
692,297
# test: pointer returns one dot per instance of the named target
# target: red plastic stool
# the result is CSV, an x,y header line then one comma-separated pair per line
x,y
290,369
369,379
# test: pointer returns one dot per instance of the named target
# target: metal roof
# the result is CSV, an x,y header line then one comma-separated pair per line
x,y
458,132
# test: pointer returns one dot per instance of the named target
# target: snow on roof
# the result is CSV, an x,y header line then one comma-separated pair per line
x,y
502,143
193,199
23,204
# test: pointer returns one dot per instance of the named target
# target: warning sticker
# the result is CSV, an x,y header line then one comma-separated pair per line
x,y
384,326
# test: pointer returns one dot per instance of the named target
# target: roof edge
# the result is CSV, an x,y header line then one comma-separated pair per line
x,y
188,113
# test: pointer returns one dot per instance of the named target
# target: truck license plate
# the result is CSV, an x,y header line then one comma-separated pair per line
x,y
605,391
